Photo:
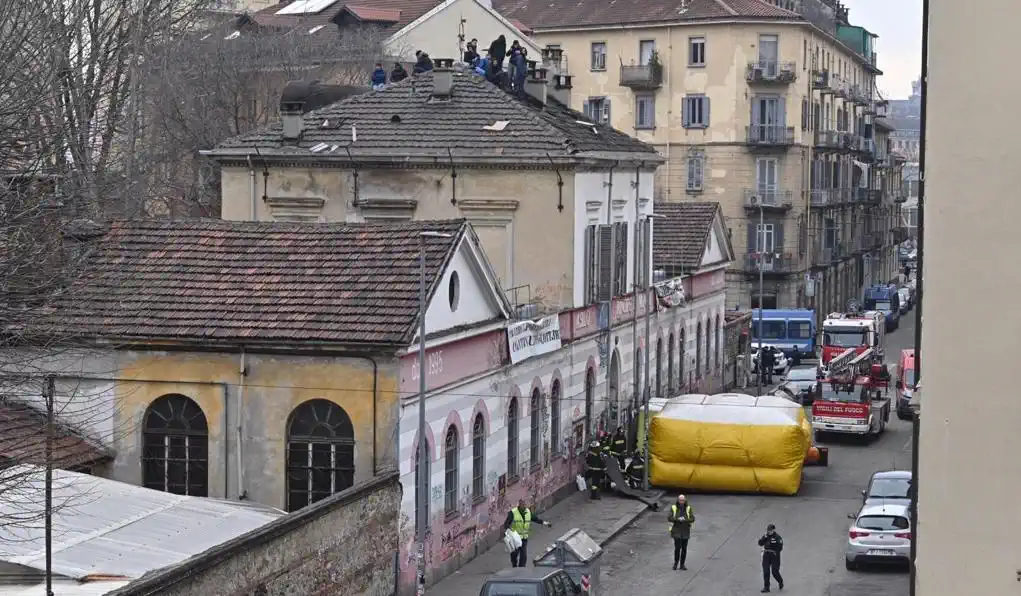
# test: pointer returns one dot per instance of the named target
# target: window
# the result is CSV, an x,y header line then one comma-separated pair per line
x,y
804,114
535,434
598,55
512,439
698,350
451,447
682,355
597,109
645,111
799,330
769,122
621,258
422,490
708,345
554,418
454,291
659,367
769,54
638,368
766,179
696,172
719,342
830,233
320,453
764,237
175,447
670,365
478,457
696,51
646,48
695,111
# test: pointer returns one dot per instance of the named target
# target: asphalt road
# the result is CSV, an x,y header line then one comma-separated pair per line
x,y
723,558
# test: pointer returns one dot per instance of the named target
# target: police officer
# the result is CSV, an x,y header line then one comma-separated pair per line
x,y
520,520
636,471
618,447
766,364
595,469
681,517
771,544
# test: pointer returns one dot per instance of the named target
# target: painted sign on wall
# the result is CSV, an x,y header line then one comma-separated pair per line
x,y
533,338
708,283
452,362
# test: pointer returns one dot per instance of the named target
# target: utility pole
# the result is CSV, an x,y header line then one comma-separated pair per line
x,y
421,523
613,282
760,239
647,234
48,396
638,248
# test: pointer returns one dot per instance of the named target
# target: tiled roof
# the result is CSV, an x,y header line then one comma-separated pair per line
x,y
395,13
540,14
680,232
255,282
404,119
23,439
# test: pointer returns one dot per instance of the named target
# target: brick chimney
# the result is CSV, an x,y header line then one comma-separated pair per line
x,y
560,90
443,78
537,85
292,109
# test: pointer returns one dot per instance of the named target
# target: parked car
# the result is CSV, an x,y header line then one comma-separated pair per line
x,y
879,534
890,487
905,299
802,382
530,581
780,361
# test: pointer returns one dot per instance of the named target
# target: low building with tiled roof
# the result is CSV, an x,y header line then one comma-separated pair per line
x,y
768,107
529,172
689,237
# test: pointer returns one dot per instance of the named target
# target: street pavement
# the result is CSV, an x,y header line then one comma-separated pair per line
x,y
723,557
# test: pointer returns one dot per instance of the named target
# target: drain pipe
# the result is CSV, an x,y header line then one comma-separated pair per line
x,y
239,452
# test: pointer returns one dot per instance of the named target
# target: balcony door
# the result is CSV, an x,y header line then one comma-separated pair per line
x,y
769,54
645,49
766,180
768,118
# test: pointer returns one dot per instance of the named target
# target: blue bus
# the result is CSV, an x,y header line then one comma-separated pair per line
x,y
790,330
884,298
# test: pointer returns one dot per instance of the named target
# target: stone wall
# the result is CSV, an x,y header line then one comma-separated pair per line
x,y
344,545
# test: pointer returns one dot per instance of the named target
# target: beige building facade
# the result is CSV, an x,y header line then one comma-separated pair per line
x,y
757,107
969,476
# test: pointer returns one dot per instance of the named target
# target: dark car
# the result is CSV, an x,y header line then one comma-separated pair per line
x,y
893,486
803,383
530,581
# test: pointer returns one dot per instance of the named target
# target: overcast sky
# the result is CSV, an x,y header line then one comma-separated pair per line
x,y
898,23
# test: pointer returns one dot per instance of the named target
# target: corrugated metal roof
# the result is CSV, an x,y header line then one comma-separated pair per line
x,y
64,588
108,528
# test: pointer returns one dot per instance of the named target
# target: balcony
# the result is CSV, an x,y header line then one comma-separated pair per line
x,y
849,141
771,263
821,198
766,72
822,256
644,77
768,198
827,139
883,109
868,147
821,80
900,234
876,239
859,95
899,196
769,136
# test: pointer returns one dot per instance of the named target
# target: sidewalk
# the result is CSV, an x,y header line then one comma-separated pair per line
x,y
602,519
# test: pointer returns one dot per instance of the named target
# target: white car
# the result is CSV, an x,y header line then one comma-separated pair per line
x,y
881,533
780,362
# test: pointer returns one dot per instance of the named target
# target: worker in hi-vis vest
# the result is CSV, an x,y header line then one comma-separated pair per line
x,y
520,520
681,517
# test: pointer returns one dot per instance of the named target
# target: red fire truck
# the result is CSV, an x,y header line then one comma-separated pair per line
x,y
860,331
854,398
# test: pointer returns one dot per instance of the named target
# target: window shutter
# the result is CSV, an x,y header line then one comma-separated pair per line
x,y
778,237
691,173
591,266
622,260
646,256
606,112
587,110
756,111
752,244
804,114
605,261
781,106
706,110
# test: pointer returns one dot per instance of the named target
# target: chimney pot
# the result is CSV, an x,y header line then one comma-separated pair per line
x,y
443,77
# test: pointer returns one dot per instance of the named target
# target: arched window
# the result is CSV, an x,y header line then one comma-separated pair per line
x,y
682,356
554,417
638,369
535,428
451,451
512,438
670,365
478,457
590,399
320,453
422,489
719,342
698,350
659,367
708,345
175,447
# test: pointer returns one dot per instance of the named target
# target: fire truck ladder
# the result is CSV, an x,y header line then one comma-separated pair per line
x,y
850,362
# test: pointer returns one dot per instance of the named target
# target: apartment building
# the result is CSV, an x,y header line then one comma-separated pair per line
x,y
767,108
968,473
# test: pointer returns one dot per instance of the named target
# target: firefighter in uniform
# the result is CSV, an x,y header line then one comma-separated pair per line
x,y
618,447
636,471
595,469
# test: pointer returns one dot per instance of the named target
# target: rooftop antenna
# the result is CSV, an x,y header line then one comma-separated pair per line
x,y
460,37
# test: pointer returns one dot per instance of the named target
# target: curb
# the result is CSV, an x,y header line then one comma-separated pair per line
x,y
627,520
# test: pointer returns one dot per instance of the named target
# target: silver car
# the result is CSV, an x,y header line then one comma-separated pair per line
x,y
881,533
803,383
892,487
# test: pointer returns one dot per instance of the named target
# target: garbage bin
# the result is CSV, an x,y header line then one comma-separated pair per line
x,y
578,554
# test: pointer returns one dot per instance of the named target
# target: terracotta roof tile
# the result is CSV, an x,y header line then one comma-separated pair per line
x,y
23,440
230,281
378,15
540,14
680,233
382,11
403,118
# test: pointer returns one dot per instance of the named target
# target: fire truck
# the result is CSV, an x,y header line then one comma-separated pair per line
x,y
858,331
854,398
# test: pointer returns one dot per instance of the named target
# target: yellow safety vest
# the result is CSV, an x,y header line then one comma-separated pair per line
x,y
673,510
521,524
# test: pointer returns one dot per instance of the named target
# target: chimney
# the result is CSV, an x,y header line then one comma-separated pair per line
x,y
537,85
443,77
292,108
552,59
561,90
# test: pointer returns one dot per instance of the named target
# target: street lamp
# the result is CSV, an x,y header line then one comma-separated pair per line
x,y
647,275
760,240
422,480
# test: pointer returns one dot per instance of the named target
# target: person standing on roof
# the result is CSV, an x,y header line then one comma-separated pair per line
x,y
497,52
423,63
520,67
398,73
681,517
520,520
378,78
471,52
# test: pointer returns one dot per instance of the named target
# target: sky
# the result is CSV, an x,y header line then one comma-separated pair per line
x,y
898,23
